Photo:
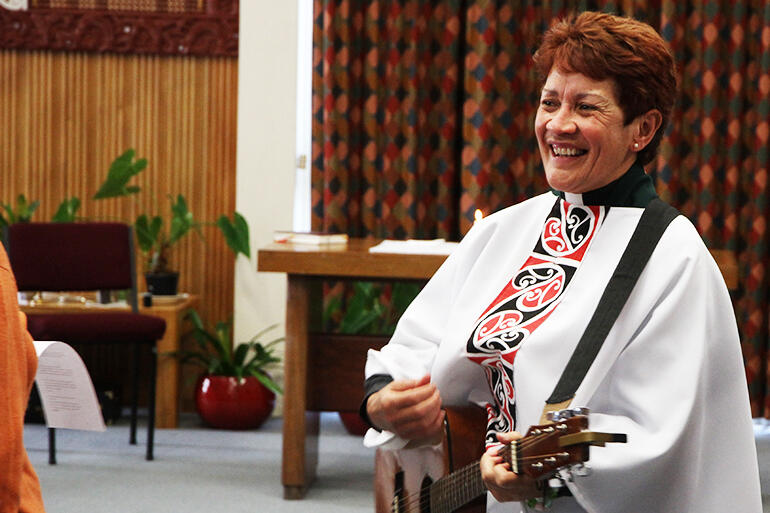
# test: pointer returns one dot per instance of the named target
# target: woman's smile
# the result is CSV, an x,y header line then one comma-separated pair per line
x,y
566,150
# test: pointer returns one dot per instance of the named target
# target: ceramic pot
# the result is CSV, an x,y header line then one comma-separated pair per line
x,y
225,403
162,284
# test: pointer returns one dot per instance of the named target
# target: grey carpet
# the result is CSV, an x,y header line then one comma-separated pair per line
x,y
196,470
201,470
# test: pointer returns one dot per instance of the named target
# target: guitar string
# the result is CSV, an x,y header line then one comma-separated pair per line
x,y
419,498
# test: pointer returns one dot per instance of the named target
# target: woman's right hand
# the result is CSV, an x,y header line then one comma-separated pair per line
x,y
409,408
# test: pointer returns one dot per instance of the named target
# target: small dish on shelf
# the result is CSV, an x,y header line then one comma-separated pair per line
x,y
169,300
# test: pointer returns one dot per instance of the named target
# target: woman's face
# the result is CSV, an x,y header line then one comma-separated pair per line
x,y
579,126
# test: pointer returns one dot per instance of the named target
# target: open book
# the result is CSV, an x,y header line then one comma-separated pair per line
x,y
310,238
415,247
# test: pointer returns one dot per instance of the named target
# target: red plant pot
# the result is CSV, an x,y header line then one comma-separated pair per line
x,y
225,403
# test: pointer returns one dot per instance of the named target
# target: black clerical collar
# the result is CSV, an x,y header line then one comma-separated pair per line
x,y
633,189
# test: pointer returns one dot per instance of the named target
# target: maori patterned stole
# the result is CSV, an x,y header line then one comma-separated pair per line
x,y
526,301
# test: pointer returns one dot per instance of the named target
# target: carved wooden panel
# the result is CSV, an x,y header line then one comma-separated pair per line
x,y
165,27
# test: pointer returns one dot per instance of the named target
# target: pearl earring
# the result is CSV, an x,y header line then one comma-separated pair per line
x,y
636,146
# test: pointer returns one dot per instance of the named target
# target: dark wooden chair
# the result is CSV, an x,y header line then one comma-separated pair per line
x,y
86,257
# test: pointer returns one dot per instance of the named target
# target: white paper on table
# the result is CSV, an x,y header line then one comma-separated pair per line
x,y
415,247
65,387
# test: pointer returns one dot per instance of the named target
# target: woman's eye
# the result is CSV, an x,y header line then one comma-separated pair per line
x,y
586,106
547,103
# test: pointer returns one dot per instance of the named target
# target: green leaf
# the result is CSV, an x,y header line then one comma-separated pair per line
x,y
363,309
402,297
195,319
262,332
148,232
239,355
11,214
181,220
268,382
24,209
223,338
236,233
66,211
121,171
359,321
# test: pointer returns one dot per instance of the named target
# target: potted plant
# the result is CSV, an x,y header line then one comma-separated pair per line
x,y
155,235
20,213
155,241
235,390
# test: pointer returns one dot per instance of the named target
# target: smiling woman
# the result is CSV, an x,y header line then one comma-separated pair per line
x,y
672,357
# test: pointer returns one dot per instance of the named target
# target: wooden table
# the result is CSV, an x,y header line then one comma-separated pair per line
x,y
336,360
167,381
334,381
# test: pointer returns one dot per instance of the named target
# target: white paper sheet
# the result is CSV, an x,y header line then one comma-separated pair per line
x,y
414,247
65,387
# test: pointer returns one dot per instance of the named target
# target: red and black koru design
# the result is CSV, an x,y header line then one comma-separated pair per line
x,y
526,301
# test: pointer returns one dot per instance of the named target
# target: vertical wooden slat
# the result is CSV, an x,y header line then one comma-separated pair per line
x,y
66,116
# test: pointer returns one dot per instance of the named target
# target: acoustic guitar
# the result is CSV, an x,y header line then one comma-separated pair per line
x,y
424,479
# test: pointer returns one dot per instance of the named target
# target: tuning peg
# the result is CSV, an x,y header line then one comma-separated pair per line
x,y
579,411
553,416
558,416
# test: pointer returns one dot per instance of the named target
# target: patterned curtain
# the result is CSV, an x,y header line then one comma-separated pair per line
x,y
385,115
424,111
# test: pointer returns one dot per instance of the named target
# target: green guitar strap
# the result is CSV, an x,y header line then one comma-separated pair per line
x,y
653,222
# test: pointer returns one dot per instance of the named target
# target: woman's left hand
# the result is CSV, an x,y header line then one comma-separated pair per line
x,y
502,483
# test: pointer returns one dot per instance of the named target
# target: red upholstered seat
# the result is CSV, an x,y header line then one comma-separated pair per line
x,y
56,257
87,328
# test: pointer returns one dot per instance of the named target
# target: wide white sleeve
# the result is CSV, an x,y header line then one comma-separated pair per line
x,y
678,390
412,349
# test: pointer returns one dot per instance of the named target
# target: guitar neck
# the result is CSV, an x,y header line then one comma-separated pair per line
x,y
457,489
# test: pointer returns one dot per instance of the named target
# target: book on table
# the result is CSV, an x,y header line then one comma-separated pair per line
x,y
313,238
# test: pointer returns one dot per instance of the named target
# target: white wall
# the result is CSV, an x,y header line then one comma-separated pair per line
x,y
266,154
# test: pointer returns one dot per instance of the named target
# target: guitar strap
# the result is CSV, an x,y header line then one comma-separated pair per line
x,y
653,222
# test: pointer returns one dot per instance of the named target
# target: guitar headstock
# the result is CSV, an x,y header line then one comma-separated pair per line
x,y
551,447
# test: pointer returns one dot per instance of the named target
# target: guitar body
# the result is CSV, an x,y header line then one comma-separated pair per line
x,y
401,477
464,437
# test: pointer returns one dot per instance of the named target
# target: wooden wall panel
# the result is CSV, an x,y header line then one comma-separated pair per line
x,y
65,116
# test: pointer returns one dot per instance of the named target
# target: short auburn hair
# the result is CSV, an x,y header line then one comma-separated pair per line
x,y
631,53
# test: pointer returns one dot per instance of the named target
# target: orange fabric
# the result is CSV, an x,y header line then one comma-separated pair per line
x,y
19,485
